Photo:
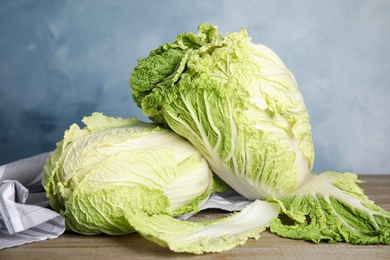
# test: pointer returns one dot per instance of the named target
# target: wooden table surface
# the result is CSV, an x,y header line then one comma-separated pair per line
x,y
269,246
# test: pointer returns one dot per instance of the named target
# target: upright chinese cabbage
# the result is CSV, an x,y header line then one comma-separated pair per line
x,y
118,176
239,105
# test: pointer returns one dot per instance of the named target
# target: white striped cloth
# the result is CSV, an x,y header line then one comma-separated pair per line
x,y
24,216
228,200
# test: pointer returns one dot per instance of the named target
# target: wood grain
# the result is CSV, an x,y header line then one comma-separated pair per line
x,y
269,246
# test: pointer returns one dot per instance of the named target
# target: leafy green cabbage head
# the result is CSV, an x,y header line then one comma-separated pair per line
x,y
239,105
114,167
236,102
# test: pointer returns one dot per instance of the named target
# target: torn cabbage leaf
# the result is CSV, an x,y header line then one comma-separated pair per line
x,y
210,236
331,207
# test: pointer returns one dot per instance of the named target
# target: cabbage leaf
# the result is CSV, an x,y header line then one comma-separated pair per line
x,y
332,207
209,236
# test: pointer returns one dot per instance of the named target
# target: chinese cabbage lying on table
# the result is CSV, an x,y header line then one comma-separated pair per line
x,y
118,176
238,104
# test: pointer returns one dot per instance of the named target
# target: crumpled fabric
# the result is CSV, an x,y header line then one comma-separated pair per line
x,y
228,200
25,216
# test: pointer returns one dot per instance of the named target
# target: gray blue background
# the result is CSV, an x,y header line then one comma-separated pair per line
x,y
62,60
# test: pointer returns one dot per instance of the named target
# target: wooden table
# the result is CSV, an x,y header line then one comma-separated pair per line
x,y
269,246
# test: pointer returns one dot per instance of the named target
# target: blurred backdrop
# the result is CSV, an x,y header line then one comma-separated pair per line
x,y
62,60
